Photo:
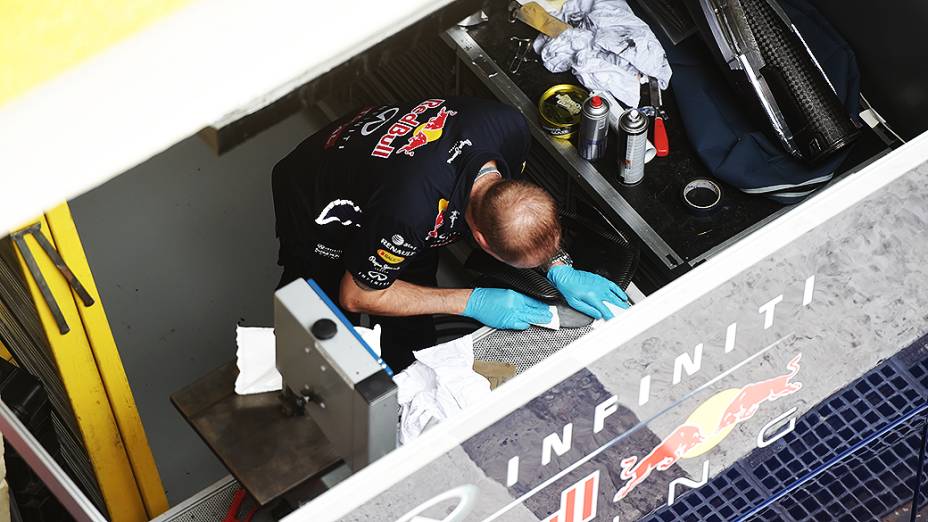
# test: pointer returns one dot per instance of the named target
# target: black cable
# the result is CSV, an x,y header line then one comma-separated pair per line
x,y
918,472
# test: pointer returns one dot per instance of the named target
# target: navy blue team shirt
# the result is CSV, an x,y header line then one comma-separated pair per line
x,y
377,188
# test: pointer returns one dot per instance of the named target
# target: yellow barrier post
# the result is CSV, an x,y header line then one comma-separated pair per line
x,y
80,376
109,363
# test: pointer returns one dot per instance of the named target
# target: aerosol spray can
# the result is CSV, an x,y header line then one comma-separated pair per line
x,y
594,129
633,137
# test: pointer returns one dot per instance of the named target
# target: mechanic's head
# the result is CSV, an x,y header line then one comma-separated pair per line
x,y
516,222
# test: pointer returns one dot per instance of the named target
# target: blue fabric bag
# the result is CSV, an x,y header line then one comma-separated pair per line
x,y
733,145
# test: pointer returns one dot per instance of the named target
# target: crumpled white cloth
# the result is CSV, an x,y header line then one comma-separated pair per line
x,y
257,357
439,384
611,50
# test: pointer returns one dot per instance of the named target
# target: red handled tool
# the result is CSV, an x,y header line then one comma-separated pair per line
x,y
660,132
236,506
660,137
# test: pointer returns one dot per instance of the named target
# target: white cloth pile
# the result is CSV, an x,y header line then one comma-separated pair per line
x,y
439,384
609,49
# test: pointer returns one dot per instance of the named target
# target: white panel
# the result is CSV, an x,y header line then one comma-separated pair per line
x,y
214,59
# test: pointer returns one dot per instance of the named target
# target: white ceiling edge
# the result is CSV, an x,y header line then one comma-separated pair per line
x,y
193,68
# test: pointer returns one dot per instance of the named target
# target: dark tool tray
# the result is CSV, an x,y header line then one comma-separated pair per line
x,y
658,197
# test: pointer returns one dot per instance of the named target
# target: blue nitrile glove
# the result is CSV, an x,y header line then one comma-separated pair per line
x,y
506,309
586,291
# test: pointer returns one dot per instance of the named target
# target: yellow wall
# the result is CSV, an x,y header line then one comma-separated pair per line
x,y
40,39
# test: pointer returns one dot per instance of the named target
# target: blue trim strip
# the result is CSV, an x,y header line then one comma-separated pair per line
x,y
824,467
341,317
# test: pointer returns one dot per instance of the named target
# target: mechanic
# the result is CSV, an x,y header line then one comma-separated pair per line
x,y
362,205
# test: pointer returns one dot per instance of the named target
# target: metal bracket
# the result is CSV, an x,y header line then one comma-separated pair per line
x,y
36,231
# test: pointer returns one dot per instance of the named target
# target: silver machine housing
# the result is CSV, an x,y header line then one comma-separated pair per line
x,y
330,373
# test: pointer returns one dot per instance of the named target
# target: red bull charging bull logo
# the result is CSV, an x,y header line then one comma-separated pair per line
x,y
427,132
422,133
705,428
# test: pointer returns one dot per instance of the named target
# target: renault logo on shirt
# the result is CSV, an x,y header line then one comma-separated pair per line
x,y
390,247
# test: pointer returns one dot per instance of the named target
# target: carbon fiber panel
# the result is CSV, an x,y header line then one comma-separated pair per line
x,y
820,123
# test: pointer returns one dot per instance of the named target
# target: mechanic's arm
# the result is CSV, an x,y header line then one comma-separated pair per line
x,y
401,299
585,291
493,307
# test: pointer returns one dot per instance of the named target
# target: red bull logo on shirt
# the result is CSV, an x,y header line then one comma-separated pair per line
x,y
427,132
422,133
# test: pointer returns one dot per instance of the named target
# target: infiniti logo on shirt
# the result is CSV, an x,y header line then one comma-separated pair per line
x,y
377,276
382,118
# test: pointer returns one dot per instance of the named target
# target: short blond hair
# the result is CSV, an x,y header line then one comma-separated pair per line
x,y
519,221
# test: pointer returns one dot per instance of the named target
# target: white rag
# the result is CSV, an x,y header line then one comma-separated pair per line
x,y
609,49
616,313
555,322
257,366
257,358
439,384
